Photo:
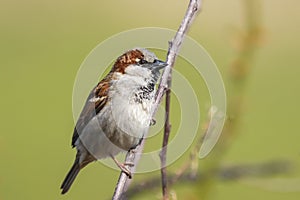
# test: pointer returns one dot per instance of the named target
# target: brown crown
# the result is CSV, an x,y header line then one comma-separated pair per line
x,y
126,59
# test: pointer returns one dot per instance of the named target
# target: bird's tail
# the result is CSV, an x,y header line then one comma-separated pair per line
x,y
65,186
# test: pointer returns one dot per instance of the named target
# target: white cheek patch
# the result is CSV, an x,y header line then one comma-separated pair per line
x,y
140,73
137,60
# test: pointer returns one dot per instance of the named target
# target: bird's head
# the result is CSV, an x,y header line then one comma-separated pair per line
x,y
139,62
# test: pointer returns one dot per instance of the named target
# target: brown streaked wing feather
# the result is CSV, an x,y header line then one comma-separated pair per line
x,y
93,105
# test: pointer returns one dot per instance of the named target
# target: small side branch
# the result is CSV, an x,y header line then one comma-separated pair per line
x,y
163,153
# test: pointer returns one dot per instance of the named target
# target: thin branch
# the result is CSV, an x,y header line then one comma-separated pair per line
x,y
163,153
174,48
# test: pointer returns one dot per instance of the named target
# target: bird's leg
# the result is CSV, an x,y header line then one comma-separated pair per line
x,y
123,167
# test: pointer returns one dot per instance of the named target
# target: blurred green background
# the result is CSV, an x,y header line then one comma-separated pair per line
x,y
43,44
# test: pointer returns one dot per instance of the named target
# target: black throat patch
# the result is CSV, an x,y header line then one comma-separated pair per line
x,y
144,93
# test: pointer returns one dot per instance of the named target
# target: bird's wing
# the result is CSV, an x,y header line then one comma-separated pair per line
x,y
96,100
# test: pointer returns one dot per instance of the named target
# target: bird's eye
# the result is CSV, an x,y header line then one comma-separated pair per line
x,y
142,61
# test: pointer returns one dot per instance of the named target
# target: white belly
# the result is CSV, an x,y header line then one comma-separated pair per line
x,y
118,127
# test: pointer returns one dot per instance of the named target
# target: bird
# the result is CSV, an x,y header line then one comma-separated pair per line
x,y
117,112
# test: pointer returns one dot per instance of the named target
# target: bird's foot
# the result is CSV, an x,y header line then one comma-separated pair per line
x,y
123,167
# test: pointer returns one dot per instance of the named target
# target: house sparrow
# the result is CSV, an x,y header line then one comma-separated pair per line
x,y
117,112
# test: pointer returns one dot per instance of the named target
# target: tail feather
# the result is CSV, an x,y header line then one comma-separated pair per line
x,y
70,177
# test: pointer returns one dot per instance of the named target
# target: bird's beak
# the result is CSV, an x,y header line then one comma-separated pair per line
x,y
158,65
